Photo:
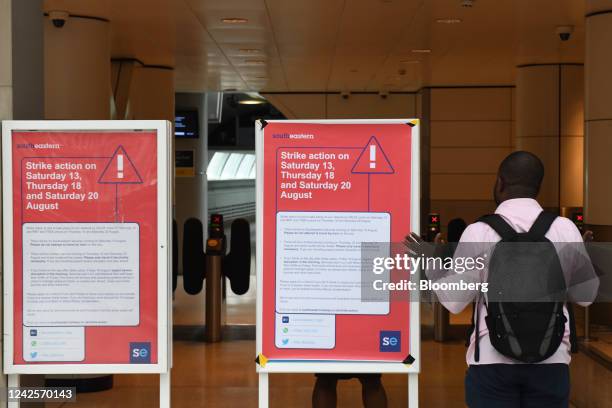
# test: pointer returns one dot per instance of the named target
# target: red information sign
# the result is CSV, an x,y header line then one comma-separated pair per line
x,y
85,245
326,188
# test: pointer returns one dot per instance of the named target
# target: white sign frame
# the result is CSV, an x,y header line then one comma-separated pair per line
x,y
339,366
164,210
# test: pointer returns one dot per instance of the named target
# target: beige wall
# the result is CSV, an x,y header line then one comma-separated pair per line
x,y
549,123
471,131
572,136
598,122
334,106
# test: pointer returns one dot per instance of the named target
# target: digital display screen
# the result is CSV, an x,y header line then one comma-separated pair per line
x,y
186,124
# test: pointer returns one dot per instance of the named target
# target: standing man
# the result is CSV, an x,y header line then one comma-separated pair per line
x,y
502,375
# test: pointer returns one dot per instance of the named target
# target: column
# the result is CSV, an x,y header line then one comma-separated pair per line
x,y
77,68
6,74
6,96
598,128
142,91
153,94
549,117
598,118
28,64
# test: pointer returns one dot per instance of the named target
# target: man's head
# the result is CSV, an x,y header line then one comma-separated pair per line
x,y
519,176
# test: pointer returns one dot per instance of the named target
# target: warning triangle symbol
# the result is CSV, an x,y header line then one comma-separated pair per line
x,y
372,160
120,169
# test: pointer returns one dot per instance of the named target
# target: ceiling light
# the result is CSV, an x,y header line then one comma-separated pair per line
x,y
421,51
234,20
249,50
253,98
449,20
251,102
255,62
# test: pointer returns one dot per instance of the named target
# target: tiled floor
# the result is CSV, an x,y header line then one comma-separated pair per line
x,y
223,375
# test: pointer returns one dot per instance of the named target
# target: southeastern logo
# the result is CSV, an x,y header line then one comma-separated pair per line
x,y
390,341
140,353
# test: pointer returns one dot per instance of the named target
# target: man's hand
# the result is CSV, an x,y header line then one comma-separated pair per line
x,y
588,236
417,246
438,239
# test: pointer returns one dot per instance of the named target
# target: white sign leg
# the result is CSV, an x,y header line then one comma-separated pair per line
x,y
263,390
413,390
13,381
164,390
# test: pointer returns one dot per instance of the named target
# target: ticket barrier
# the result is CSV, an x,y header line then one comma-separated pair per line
x,y
214,264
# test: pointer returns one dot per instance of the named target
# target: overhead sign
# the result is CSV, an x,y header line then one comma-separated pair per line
x,y
86,238
324,188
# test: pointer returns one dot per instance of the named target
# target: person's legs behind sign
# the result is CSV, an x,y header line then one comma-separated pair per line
x,y
372,391
324,394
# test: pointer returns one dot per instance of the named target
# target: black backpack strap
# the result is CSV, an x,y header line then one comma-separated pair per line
x,y
495,221
542,224
472,326
572,325
506,232
477,331
474,329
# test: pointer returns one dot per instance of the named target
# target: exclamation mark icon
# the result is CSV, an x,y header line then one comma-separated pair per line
x,y
120,166
372,156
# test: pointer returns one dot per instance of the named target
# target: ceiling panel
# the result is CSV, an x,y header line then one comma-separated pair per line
x,y
305,33
319,45
248,47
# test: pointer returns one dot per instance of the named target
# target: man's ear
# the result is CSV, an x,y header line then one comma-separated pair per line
x,y
501,186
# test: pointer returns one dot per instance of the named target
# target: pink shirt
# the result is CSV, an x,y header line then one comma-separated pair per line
x,y
520,213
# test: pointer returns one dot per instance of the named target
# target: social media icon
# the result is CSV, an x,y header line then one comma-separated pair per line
x,y
33,332
285,330
285,319
285,342
34,343
390,341
34,354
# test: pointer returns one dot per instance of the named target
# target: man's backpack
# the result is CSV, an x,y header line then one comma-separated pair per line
x,y
526,293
